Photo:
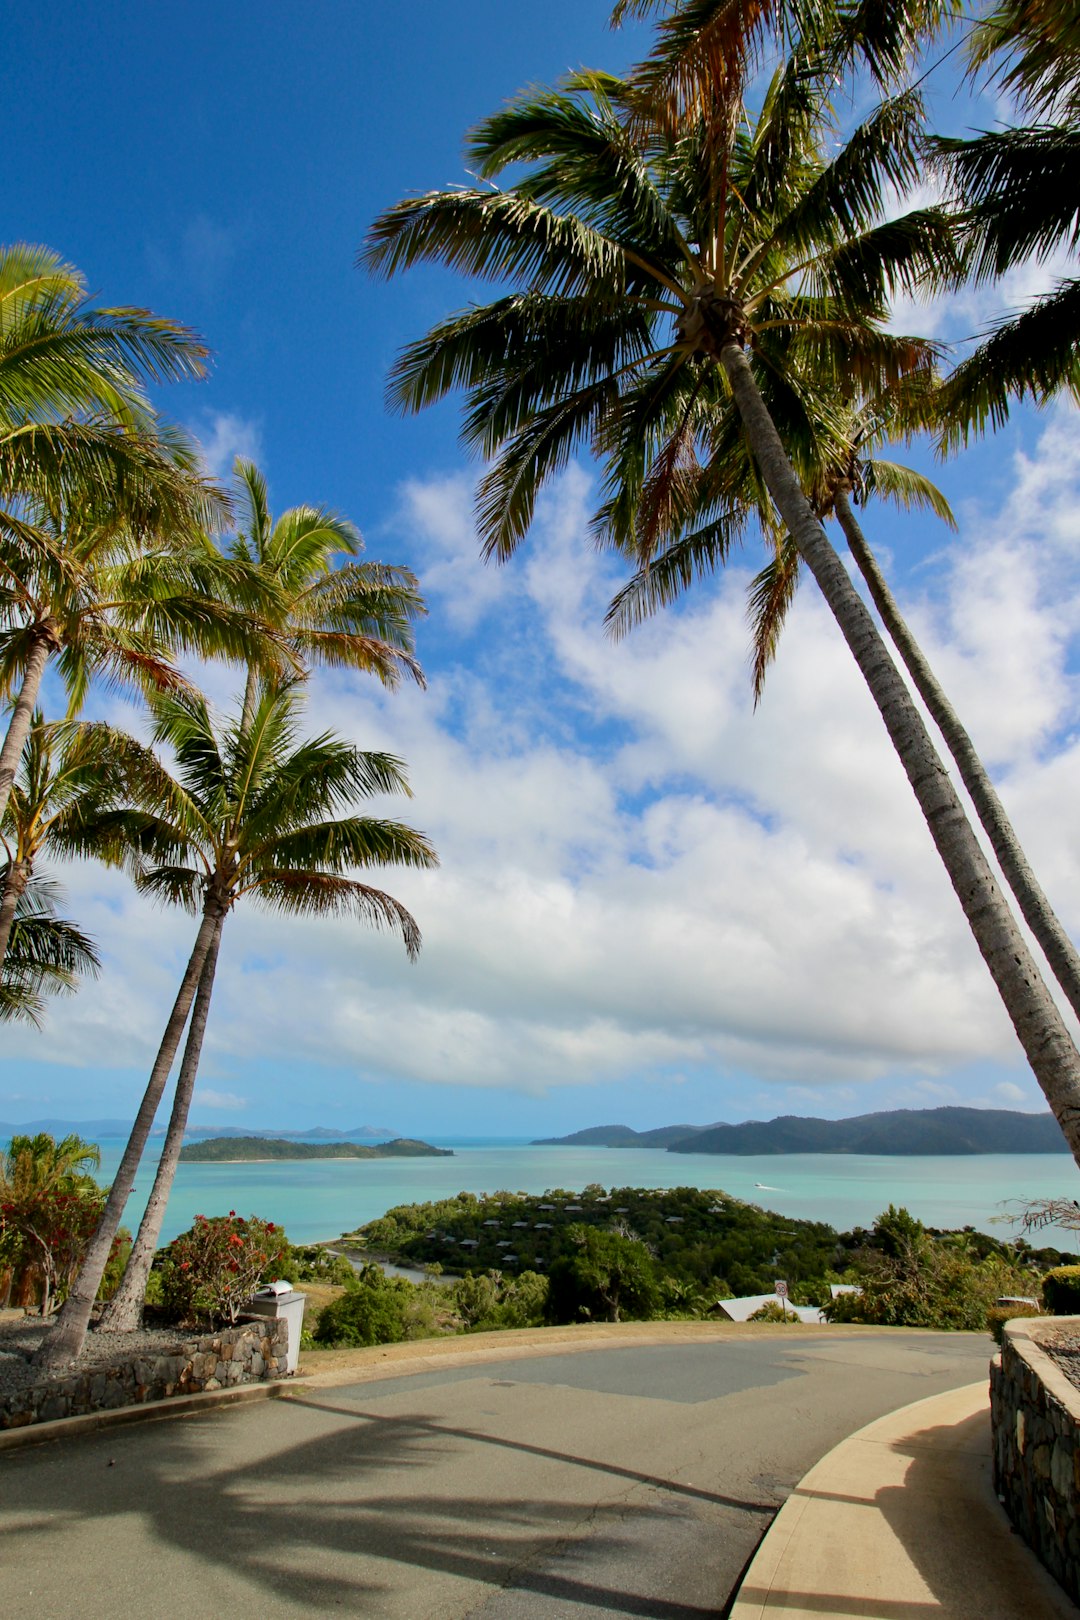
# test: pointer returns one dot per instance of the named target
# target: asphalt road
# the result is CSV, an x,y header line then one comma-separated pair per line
x,y
632,1481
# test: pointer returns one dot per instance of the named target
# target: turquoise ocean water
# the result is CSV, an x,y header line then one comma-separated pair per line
x,y
319,1199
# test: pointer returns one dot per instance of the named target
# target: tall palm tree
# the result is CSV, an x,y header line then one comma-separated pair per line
x,y
657,242
46,956
251,813
77,432
343,615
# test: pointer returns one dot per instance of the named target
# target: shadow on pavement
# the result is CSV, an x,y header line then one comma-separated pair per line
x,y
296,1519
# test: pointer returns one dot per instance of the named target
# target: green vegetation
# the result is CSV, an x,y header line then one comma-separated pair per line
x,y
911,1278
698,1239
228,1149
1061,1290
210,1272
49,1208
640,1254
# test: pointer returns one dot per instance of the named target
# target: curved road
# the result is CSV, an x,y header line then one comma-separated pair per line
x,y
630,1481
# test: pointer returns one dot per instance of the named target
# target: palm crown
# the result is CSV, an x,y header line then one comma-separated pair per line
x,y
250,811
349,615
644,243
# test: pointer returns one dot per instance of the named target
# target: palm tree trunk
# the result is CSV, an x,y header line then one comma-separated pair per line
x,y
124,1311
251,692
18,876
64,1343
43,643
1034,1014
1057,947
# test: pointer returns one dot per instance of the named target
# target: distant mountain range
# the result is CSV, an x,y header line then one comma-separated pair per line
x,y
896,1132
92,1129
623,1136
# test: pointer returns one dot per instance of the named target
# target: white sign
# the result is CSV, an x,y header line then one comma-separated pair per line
x,y
781,1289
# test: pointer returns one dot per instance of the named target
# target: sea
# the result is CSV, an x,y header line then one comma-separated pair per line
x,y
317,1200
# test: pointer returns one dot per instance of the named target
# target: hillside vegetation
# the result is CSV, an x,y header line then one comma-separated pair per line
x,y
228,1149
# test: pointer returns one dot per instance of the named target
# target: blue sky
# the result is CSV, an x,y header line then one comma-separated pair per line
x,y
654,905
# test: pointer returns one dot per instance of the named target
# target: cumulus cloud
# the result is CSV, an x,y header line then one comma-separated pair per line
x,y
206,1098
223,436
640,876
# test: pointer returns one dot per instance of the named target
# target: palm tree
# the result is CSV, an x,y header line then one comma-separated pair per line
x,y
350,616
77,433
658,243
46,955
251,812
66,767
36,1174
1015,193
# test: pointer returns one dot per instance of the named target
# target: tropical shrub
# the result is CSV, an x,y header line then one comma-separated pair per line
x,y
49,1210
773,1311
910,1279
212,1270
494,1301
373,1310
607,1275
308,1263
998,1315
1061,1291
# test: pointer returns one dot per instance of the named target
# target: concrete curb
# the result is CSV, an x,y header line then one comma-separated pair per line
x,y
898,1522
35,1434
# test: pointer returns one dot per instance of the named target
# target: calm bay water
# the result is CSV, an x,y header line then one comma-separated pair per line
x,y
319,1199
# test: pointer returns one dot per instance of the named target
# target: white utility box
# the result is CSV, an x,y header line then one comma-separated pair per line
x,y
279,1300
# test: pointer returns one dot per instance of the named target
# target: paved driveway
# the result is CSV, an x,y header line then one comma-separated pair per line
x,y
632,1481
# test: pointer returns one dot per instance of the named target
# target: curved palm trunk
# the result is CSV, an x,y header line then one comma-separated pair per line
x,y
1034,1014
42,646
67,1337
124,1311
18,876
1057,947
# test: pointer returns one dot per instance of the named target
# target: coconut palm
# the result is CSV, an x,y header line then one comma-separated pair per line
x,y
343,615
77,433
1016,195
656,242
66,768
251,813
46,955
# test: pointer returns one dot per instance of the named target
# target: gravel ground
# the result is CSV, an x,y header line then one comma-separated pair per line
x,y
20,1337
1065,1350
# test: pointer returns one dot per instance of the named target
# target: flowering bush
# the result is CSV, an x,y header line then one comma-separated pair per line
x,y
213,1270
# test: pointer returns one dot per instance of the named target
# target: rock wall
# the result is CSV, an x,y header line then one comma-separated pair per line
x,y
250,1353
1035,1417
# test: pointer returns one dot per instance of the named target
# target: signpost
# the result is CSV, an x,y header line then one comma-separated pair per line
x,y
780,1289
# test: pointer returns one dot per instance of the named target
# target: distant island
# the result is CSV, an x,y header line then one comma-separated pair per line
x,y
257,1149
900,1131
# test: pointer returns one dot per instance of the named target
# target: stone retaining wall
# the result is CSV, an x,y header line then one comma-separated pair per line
x,y
250,1353
1035,1417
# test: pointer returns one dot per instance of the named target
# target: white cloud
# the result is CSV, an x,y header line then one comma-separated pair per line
x,y
205,1098
1009,1094
223,436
